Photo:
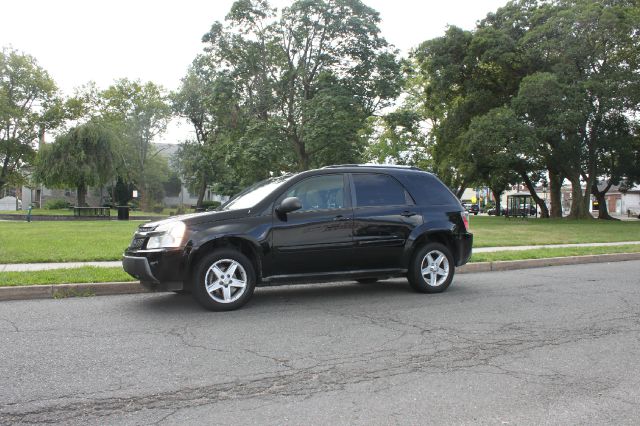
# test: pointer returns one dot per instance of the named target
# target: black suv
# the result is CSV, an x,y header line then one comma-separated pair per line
x,y
340,222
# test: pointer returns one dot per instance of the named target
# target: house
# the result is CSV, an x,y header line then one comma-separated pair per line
x,y
624,201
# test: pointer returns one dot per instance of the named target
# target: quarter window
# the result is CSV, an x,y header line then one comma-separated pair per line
x,y
319,193
378,190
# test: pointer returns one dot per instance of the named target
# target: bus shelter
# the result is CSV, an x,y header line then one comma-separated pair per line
x,y
520,205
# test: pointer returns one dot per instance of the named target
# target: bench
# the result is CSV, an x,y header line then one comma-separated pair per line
x,y
92,211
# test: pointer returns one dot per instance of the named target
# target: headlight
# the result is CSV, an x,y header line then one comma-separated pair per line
x,y
168,235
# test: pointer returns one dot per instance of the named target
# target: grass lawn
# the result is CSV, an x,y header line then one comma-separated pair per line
x,y
553,252
492,231
86,274
22,242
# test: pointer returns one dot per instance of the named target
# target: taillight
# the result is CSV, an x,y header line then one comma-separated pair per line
x,y
465,219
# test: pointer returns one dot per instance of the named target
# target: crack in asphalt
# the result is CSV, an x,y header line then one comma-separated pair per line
x,y
438,350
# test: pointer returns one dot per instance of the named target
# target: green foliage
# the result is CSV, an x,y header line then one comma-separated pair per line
x,y
82,157
140,113
568,70
211,205
397,138
173,185
56,204
303,83
29,105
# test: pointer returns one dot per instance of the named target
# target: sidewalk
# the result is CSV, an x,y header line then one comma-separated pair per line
x,y
21,267
519,248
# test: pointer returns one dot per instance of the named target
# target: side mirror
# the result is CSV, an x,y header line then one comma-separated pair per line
x,y
288,205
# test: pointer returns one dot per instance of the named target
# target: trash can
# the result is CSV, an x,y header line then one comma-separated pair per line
x,y
123,212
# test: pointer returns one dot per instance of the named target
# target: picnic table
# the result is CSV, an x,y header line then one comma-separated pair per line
x,y
92,211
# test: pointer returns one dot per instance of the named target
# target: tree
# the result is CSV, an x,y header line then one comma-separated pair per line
x,y
567,67
140,113
595,56
82,157
504,152
207,98
460,76
315,72
397,138
29,105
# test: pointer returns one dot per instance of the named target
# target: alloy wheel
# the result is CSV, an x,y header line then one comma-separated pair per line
x,y
225,281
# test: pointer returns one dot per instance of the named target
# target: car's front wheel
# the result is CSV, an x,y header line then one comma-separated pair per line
x,y
431,269
224,280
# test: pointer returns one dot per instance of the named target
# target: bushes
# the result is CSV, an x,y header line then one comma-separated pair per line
x,y
210,205
56,204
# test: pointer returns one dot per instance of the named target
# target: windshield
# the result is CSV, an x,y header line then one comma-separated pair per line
x,y
255,193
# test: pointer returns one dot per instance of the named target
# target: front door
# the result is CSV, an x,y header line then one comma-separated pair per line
x,y
318,237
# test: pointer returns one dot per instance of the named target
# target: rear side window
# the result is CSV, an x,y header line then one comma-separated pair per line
x,y
428,190
378,190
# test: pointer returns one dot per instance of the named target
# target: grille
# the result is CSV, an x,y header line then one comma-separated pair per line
x,y
146,228
137,243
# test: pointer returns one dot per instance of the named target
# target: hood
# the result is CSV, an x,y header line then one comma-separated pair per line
x,y
197,218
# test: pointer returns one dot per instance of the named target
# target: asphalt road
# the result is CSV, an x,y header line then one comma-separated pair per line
x,y
556,345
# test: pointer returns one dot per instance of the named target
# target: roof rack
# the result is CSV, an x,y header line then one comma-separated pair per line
x,y
381,166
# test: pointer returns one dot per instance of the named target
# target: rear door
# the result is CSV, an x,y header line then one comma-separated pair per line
x,y
317,238
384,216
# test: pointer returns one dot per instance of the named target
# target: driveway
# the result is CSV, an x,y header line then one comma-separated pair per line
x,y
552,345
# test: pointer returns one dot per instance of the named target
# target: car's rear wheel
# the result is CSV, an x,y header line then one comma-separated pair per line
x,y
432,268
224,280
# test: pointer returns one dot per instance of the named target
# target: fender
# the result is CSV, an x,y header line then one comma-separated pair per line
x,y
256,238
427,228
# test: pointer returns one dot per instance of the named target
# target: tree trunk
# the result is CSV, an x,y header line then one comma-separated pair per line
x,y
496,195
81,195
579,208
555,192
201,192
544,211
603,211
143,196
4,172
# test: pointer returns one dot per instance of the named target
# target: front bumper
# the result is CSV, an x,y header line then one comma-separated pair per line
x,y
158,270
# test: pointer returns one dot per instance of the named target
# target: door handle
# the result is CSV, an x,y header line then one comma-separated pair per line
x,y
407,213
340,218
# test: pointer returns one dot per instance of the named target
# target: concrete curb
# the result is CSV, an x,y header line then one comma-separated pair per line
x,y
509,265
134,287
69,290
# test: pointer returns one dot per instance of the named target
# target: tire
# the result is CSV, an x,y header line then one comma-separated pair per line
x,y
225,291
426,257
367,280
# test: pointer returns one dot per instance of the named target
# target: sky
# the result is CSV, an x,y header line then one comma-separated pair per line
x,y
77,41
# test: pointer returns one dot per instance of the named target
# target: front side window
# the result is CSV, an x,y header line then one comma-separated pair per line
x,y
319,192
378,190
